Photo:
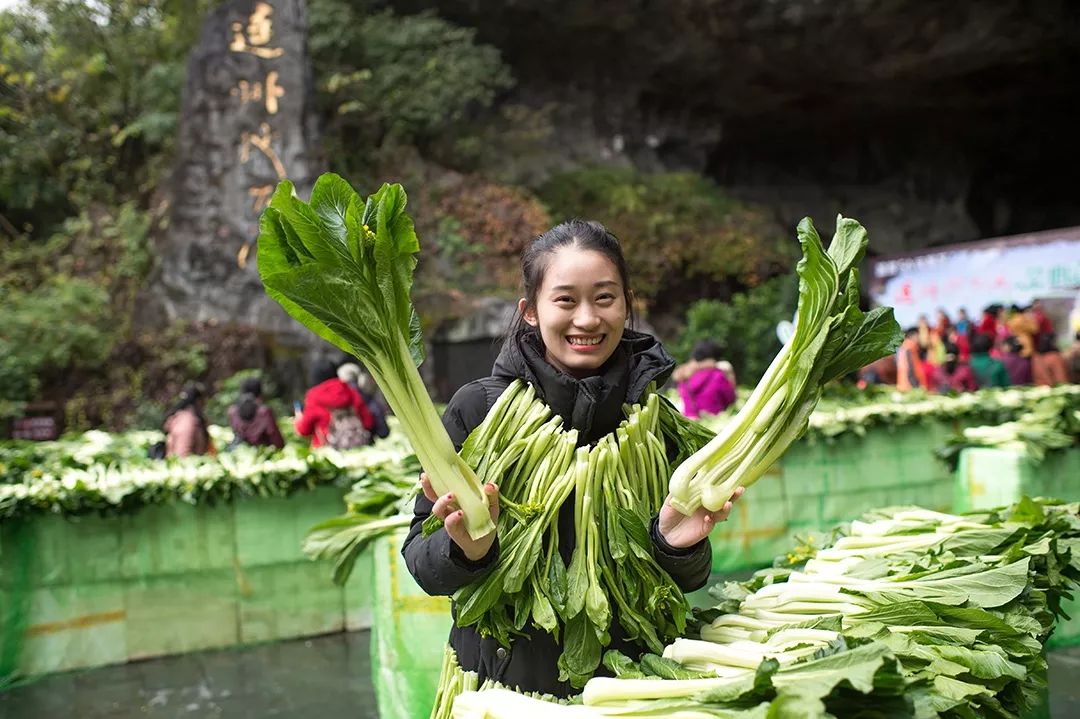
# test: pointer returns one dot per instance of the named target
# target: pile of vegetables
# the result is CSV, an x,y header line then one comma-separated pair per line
x,y
1053,423
102,479
832,338
618,485
907,613
989,406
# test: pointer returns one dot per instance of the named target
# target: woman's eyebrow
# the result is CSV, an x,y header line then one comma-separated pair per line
x,y
601,283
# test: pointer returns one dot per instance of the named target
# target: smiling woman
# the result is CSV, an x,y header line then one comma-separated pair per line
x,y
570,344
577,295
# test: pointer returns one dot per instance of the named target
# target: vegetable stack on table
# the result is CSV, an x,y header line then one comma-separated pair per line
x,y
908,613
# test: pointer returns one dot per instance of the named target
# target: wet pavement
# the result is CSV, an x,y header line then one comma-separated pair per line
x,y
326,677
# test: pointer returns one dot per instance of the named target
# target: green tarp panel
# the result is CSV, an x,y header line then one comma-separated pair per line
x,y
987,478
408,635
88,591
820,483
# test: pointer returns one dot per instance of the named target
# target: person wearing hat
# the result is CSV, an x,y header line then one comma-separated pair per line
x,y
361,381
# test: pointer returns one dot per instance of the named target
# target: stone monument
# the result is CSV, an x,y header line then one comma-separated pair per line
x,y
247,122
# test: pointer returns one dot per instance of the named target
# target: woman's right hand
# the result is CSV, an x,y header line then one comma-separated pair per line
x,y
446,508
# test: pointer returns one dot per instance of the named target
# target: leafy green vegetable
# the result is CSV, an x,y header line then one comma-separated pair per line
x,y
832,338
1052,423
343,268
618,484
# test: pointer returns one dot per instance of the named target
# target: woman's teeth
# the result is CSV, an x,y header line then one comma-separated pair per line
x,y
585,340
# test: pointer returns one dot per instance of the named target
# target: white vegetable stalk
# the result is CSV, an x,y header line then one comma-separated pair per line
x,y
832,338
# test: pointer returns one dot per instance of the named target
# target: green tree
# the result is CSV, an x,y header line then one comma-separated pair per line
x,y
89,97
684,238
61,326
745,326
385,78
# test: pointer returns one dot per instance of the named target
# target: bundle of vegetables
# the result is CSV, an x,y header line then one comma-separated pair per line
x,y
1054,423
454,681
832,338
926,614
24,461
378,504
843,679
618,484
124,485
343,268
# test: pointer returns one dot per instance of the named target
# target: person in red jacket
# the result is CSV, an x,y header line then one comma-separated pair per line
x,y
322,402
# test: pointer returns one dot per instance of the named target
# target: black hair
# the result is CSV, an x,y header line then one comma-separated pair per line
x,y
323,370
252,385
1045,344
952,355
583,234
911,332
189,398
246,406
1013,344
1015,308
981,343
706,349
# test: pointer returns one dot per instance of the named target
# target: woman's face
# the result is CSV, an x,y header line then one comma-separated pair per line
x,y
580,310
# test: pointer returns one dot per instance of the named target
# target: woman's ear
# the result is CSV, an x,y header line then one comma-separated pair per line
x,y
527,314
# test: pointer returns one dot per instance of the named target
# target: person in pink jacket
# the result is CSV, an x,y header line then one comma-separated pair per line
x,y
704,387
185,425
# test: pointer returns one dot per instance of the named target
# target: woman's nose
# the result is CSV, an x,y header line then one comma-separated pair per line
x,y
586,318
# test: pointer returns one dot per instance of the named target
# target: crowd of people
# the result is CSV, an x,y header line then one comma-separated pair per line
x,y
1005,347
342,409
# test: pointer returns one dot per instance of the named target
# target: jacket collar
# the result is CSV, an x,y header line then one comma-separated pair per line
x,y
592,405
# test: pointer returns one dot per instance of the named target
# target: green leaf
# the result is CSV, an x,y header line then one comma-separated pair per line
x,y
818,677
330,199
848,244
671,669
622,666
877,336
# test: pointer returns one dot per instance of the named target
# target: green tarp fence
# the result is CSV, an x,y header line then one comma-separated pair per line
x,y
820,483
408,635
89,591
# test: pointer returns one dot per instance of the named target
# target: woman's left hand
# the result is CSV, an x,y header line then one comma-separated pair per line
x,y
681,531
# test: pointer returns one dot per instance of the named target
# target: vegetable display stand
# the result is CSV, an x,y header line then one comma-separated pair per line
x,y
171,578
819,482
408,635
987,478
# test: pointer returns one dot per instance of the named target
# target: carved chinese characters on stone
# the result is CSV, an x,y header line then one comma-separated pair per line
x,y
263,141
247,123
256,36
255,91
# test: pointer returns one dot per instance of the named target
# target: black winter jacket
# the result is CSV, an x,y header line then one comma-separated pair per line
x,y
594,407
